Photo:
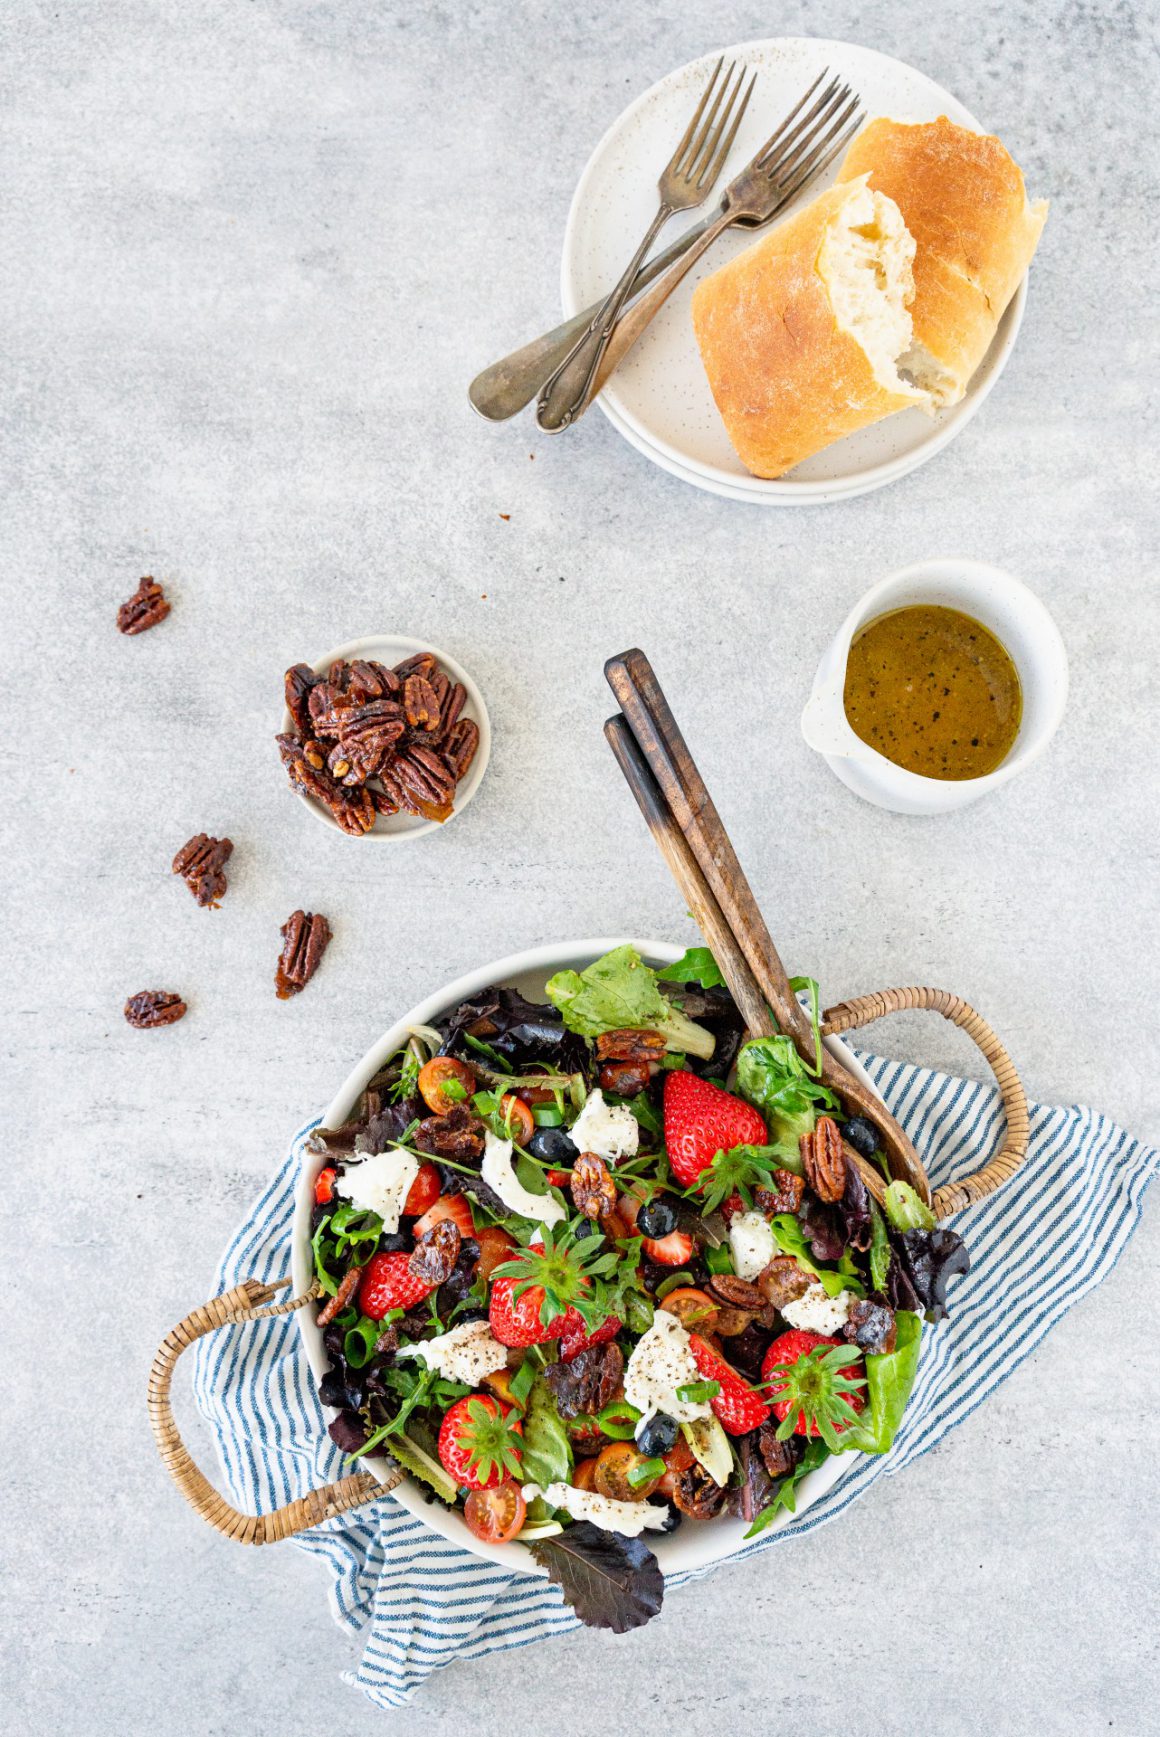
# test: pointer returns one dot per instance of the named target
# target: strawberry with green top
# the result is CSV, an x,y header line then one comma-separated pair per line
x,y
814,1385
550,1288
702,1120
479,1445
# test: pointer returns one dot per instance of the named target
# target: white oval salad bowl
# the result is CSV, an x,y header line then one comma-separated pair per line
x,y
696,1544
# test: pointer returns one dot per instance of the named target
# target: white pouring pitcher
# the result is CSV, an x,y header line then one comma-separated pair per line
x,y
1017,619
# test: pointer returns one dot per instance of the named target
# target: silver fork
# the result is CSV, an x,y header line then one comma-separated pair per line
x,y
686,182
801,149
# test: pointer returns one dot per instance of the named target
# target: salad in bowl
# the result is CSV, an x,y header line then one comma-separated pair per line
x,y
601,1277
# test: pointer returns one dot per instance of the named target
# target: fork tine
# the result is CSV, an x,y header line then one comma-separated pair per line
x,y
817,141
833,96
776,137
694,123
696,150
710,134
710,173
814,167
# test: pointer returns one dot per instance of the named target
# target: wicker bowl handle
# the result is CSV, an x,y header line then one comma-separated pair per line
x,y
244,1303
956,1196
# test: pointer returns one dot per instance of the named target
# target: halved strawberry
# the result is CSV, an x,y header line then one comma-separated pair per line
x,y
324,1186
702,1120
575,1337
479,1442
423,1192
452,1206
672,1250
739,1407
388,1283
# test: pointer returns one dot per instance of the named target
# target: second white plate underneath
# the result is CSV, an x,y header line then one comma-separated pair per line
x,y
660,398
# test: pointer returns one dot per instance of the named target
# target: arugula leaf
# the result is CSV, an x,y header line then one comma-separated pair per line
x,y
407,1083
697,966
905,1210
609,1581
773,1077
620,991
546,1455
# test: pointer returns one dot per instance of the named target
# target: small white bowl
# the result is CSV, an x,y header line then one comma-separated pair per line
x,y
1014,615
389,649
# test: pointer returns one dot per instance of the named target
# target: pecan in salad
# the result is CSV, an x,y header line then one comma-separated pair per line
x,y
368,740
582,1316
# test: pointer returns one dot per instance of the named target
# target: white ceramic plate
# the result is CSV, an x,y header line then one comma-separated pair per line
x,y
693,1546
659,399
390,649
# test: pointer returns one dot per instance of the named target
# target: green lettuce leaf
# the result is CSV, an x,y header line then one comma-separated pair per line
x,y
546,1452
791,1239
773,1077
905,1210
620,991
889,1379
697,966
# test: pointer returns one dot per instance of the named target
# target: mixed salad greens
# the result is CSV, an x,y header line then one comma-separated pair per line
x,y
596,1267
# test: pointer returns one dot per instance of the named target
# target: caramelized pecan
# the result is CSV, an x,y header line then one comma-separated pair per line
x,y
783,1281
305,938
147,606
436,1252
871,1326
593,1189
419,780
314,753
153,1007
420,703
451,704
347,1287
352,810
422,663
697,1494
787,1196
368,733
627,1078
780,1456
300,681
201,864
367,680
631,1043
460,746
326,704
588,1382
824,1161
459,1135
738,1293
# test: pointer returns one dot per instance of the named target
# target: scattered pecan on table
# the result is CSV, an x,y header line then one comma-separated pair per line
x,y
823,1160
153,1007
305,938
147,606
370,740
201,864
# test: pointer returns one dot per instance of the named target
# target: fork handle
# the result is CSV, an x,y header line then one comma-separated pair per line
x,y
563,395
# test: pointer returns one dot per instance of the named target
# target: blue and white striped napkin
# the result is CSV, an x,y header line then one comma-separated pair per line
x,y
419,1603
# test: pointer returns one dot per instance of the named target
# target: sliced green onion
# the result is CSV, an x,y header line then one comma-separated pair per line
x,y
719,1259
696,1392
547,1115
673,1284
619,1420
645,1472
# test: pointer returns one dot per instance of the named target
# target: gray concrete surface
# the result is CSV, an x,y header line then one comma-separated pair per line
x,y
251,255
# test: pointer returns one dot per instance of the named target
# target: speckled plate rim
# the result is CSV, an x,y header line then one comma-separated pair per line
x,y
782,491
692,1547
390,648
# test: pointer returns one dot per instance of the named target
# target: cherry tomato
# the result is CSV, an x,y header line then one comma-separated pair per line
x,y
584,1474
626,1078
324,1187
678,1459
694,1309
536,1095
586,1434
423,1192
610,1477
515,1115
559,1178
499,1382
441,1072
495,1246
496,1515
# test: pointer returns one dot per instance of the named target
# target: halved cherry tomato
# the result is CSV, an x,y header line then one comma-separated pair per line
x,y
585,1472
423,1192
436,1075
515,1116
324,1186
610,1477
496,1515
499,1382
694,1309
559,1178
678,1459
452,1206
495,1246
536,1095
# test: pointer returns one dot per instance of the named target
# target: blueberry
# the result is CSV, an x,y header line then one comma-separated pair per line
x,y
862,1135
587,1227
657,1217
657,1436
672,1519
553,1146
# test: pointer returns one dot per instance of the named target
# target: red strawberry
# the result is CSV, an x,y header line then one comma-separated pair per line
x,y
452,1206
702,1120
739,1406
517,1322
732,1208
324,1186
820,1388
551,1277
423,1192
478,1446
575,1337
388,1283
672,1250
